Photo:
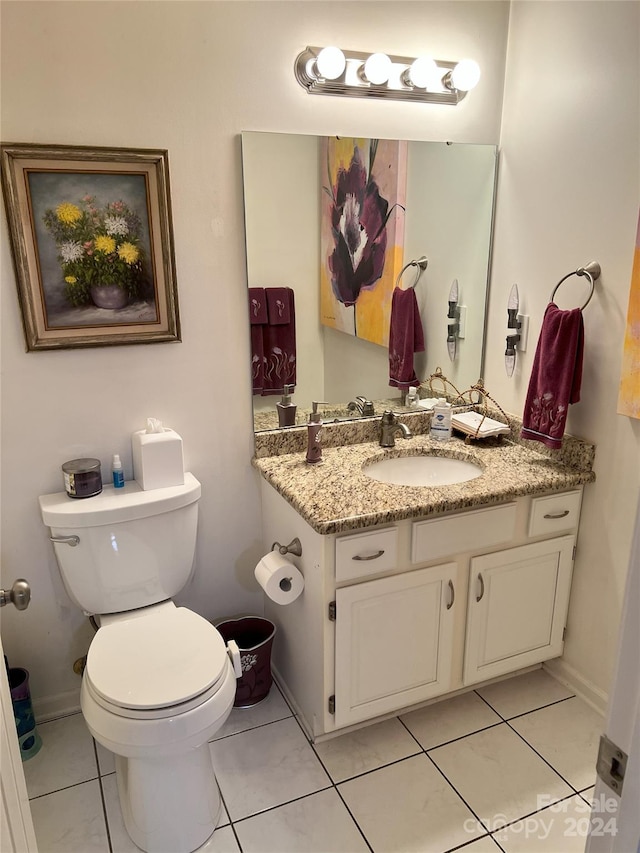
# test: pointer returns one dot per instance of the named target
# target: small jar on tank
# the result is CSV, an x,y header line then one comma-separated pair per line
x,y
82,478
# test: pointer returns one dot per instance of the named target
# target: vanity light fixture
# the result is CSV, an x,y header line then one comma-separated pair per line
x,y
332,71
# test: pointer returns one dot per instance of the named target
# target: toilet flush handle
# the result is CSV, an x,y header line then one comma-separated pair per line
x,y
234,654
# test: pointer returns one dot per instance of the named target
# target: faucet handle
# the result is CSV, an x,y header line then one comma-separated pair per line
x,y
389,418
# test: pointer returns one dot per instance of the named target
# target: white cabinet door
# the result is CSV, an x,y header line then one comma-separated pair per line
x,y
393,642
517,608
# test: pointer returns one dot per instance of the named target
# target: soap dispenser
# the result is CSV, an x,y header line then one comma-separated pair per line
x,y
314,448
286,409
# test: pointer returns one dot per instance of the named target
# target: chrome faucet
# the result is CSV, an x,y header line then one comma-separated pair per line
x,y
363,406
389,426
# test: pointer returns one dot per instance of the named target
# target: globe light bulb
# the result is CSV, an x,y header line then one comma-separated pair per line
x,y
465,75
422,72
377,68
331,63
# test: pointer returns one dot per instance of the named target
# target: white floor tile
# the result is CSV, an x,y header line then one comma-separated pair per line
x,y
453,718
498,775
567,736
319,823
562,827
71,821
366,749
524,693
409,807
66,758
222,841
266,767
269,710
482,845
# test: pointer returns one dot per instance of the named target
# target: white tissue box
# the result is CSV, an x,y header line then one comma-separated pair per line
x,y
157,459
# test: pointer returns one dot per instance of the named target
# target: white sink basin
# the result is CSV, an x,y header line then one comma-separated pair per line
x,y
422,470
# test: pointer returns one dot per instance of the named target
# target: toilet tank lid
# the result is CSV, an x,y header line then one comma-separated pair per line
x,y
112,506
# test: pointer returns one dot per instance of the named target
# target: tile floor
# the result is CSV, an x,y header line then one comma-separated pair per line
x,y
506,767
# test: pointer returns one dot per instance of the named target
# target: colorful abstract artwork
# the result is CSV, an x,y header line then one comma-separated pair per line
x,y
629,398
361,233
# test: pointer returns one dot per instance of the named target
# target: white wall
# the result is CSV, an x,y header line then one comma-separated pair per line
x,y
568,193
188,77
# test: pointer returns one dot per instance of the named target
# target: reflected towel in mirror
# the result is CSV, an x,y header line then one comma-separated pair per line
x,y
406,337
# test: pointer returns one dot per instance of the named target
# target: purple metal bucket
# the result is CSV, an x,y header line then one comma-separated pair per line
x,y
254,636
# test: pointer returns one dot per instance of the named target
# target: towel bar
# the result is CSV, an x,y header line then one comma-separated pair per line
x,y
421,263
591,271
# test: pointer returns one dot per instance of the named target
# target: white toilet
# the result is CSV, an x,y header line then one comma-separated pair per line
x,y
159,680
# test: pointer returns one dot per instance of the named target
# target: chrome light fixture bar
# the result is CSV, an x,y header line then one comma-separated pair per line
x,y
331,71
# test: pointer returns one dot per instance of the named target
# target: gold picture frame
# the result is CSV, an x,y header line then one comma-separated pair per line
x,y
92,243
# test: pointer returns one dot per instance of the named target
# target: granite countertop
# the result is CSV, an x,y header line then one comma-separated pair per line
x,y
335,495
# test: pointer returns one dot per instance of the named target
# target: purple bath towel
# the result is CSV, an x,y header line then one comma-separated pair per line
x,y
555,376
406,337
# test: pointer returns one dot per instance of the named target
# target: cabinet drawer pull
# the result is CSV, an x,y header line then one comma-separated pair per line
x,y
562,514
372,557
453,595
481,579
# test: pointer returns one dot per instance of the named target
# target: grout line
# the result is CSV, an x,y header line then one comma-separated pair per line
x,y
531,814
548,763
64,788
102,798
524,713
250,729
453,787
541,708
279,805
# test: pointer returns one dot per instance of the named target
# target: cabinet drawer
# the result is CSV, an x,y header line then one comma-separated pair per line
x,y
468,531
555,514
366,553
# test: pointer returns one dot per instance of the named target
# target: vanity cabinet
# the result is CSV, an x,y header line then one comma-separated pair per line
x,y
393,642
395,615
518,599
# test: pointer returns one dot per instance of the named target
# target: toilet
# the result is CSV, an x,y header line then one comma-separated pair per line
x,y
159,679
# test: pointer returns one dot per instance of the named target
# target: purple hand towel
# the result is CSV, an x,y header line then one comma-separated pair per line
x,y
406,337
279,341
257,306
257,359
555,376
278,306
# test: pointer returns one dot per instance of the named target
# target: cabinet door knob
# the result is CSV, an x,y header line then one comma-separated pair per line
x,y
453,595
562,514
371,557
481,579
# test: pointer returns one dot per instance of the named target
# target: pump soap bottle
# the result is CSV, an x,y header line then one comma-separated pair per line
x,y
286,409
314,448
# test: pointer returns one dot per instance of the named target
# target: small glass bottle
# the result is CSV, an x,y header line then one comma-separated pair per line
x,y
118,473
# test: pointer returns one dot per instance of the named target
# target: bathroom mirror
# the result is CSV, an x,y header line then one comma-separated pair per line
x,y
448,218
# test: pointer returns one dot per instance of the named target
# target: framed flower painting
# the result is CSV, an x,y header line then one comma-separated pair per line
x,y
92,244
361,233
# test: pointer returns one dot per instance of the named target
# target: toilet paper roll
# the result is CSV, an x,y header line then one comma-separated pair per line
x,y
279,578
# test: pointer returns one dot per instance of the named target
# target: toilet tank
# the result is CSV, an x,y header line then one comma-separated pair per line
x,y
134,547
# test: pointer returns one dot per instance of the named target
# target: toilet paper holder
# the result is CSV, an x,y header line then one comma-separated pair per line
x,y
294,547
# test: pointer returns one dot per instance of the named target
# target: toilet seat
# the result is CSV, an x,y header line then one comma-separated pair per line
x,y
160,663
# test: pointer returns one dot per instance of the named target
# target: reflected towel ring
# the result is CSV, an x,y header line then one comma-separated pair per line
x,y
591,271
421,263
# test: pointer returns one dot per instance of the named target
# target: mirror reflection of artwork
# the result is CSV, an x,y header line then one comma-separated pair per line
x,y
629,399
362,233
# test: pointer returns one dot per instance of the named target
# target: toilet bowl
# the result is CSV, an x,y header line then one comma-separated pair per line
x,y
157,686
159,680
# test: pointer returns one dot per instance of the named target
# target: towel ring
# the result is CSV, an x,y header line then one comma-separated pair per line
x,y
421,263
591,271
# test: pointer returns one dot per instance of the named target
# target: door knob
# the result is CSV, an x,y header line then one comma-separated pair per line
x,y
19,594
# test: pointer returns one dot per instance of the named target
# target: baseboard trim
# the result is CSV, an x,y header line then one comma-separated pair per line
x,y
582,687
60,705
